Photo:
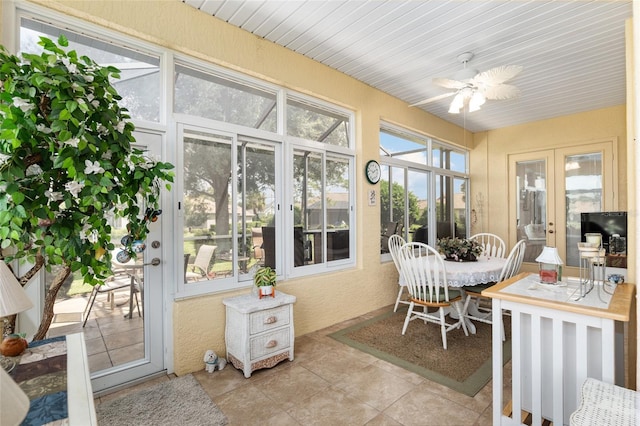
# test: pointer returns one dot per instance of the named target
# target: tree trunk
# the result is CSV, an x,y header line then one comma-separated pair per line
x,y
50,300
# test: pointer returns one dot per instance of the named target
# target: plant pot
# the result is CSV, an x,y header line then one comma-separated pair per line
x,y
266,291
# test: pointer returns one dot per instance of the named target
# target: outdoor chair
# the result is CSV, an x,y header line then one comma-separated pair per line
x,y
425,275
121,279
199,269
395,243
510,268
492,245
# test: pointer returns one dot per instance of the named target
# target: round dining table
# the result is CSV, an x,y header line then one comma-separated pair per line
x,y
466,274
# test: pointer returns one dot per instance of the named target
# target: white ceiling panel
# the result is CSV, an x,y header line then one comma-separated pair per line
x,y
573,52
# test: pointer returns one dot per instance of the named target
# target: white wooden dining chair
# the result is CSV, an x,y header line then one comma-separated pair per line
x,y
492,245
474,293
395,243
423,271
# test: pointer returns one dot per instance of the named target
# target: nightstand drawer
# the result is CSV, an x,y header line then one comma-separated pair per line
x,y
269,319
269,343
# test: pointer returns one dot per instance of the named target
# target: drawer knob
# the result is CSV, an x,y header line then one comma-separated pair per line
x,y
270,320
271,344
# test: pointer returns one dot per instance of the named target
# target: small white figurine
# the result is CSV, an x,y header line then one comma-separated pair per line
x,y
211,361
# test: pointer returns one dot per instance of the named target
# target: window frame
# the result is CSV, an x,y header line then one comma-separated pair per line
x,y
432,174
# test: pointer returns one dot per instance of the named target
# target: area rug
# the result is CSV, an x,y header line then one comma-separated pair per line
x,y
180,401
465,366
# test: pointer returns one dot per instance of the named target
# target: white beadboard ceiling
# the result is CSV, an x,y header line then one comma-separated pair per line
x,y
573,52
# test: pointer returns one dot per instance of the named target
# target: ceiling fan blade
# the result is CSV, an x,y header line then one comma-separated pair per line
x,y
497,75
435,98
448,83
501,91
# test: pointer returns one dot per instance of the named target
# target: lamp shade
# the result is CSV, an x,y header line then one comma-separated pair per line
x,y
549,255
14,403
13,299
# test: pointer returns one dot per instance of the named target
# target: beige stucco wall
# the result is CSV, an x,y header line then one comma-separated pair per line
x,y
198,323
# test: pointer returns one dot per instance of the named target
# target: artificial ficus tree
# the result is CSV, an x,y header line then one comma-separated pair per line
x,y
68,168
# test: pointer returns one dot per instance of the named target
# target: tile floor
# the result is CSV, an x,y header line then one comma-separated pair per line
x,y
111,339
329,383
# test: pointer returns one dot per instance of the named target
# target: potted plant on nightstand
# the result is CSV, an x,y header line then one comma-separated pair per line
x,y
265,280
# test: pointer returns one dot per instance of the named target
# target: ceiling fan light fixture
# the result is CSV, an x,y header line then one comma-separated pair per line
x,y
457,103
477,100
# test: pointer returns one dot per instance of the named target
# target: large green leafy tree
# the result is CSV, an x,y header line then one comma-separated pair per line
x,y
398,205
67,166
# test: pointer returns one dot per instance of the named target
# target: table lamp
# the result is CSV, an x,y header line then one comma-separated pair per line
x,y
550,265
13,300
14,403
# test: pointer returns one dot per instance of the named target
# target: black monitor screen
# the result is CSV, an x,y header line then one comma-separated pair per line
x,y
605,223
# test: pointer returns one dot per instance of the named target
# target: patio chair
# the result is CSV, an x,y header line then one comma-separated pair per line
x,y
424,272
120,280
510,268
256,240
395,243
199,269
392,229
492,245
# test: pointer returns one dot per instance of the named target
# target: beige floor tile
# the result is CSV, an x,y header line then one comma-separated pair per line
x,y
421,407
382,420
126,354
407,375
333,364
95,346
291,386
99,361
121,340
375,387
247,406
221,382
332,407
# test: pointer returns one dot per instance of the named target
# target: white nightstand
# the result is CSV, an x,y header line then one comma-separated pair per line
x,y
259,332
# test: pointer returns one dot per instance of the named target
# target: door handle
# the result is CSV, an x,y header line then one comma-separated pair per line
x,y
551,231
154,262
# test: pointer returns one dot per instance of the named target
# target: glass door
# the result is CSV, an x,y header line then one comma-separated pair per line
x,y
132,339
533,207
548,191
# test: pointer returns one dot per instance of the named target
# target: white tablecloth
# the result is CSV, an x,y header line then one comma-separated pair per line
x,y
463,274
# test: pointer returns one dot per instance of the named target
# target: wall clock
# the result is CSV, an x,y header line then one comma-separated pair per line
x,y
372,171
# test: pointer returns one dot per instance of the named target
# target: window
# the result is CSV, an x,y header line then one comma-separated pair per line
x,y
308,121
321,209
233,204
208,95
139,83
424,186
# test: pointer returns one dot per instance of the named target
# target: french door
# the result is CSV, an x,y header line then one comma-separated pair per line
x,y
133,342
548,190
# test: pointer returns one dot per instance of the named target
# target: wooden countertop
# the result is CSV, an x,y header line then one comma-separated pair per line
x,y
619,308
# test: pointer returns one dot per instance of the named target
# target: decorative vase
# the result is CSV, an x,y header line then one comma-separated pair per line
x,y
13,345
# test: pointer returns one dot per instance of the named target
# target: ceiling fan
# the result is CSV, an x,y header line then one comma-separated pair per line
x,y
472,88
